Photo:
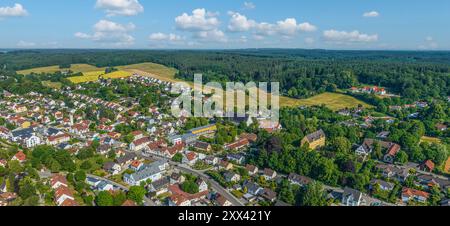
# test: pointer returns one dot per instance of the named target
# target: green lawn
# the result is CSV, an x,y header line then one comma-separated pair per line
x,y
334,101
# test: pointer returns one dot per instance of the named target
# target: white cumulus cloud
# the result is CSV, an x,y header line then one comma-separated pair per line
x,y
249,5
25,44
287,28
165,37
109,32
200,20
120,7
240,22
16,11
348,37
371,14
202,24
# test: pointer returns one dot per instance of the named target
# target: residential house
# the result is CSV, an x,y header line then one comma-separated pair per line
x,y
139,144
427,166
137,165
152,172
237,158
5,133
300,180
212,160
20,156
58,139
238,145
314,140
352,197
441,127
80,129
222,201
177,178
231,177
103,149
27,137
383,185
202,146
58,180
160,186
269,195
62,194
269,125
253,188
389,157
190,158
251,169
269,174
225,165
112,168
179,200
409,194
126,159
202,185
3,162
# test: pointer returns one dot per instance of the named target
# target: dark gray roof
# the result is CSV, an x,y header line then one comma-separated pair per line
x,y
315,136
352,192
160,183
127,157
23,133
299,179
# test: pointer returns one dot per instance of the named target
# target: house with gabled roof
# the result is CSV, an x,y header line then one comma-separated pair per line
x,y
300,180
410,194
427,166
20,156
314,140
251,169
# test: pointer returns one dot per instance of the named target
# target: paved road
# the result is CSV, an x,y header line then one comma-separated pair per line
x,y
147,201
216,186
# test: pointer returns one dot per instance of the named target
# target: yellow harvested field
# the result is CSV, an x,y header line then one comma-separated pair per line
x,y
151,68
117,74
52,69
93,73
81,79
430,140
54,85
93,76
334,101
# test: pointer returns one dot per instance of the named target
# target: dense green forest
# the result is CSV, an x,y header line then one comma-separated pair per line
x,y
301,73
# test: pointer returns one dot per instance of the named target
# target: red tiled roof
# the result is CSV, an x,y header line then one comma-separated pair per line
x,y
59,192
238,144
20,156
129,203
141,141
429,164
191,156
394,149
176,190
58,178
69,202
58,137
414,192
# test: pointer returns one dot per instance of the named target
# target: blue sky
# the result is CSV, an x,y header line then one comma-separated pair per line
x,y
201,24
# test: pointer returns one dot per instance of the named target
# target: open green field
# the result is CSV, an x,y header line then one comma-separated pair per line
x,y
54,85
157,70
334,101
52,69
93,76
430,140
